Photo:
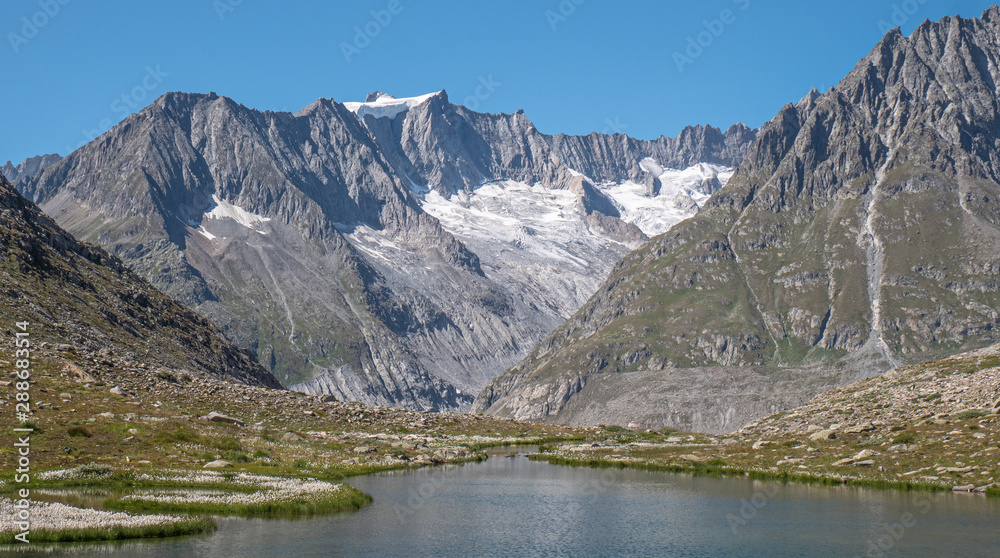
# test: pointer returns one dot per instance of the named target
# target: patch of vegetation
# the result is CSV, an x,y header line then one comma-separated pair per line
x,y
32,425
347,498
78,432
186,527
229,443
236,457
905,438
966,415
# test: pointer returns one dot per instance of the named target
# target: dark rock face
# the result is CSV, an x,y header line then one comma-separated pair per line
x,y
304,236
87,300
859,232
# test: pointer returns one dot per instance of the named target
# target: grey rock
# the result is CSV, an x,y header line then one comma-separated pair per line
x,y
859,428
290,437
219,417
823,435
217,464
116,390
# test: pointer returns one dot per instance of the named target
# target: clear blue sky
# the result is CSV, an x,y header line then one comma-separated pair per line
x,y
574,66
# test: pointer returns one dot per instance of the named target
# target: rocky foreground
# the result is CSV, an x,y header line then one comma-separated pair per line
x,y
110,409
934,425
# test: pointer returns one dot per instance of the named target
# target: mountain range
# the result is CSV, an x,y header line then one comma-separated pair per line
x,y
396,252
860,232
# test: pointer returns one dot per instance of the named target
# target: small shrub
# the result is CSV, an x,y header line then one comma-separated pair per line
x,y
966,415
236,457
78,432
92,470
300,463
30,424
166,375
933,397
229,443
180,434
261,454
905,438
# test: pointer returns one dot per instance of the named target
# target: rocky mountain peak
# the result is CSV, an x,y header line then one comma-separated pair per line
x,y
852,238
376,95
30,166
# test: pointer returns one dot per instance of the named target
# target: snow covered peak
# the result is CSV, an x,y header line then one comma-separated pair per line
x,y
385,105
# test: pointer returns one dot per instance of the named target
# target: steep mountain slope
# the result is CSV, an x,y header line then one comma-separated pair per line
x,y
29,167
71,293
395,251
860,231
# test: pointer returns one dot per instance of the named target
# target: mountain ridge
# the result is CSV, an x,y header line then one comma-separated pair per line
x,y
315,239
86,300
811,257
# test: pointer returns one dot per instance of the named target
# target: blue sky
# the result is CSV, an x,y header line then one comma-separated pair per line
x,y
74,68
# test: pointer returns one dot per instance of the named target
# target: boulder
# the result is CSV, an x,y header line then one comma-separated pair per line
x,y
219,417
218,464
859,428
116,390
823,435
290,437
963,488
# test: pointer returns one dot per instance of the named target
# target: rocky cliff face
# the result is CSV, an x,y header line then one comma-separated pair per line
x,y
396,251
30,166
859,232
83,299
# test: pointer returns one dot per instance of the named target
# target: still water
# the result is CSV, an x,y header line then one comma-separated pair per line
x,y
510,506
